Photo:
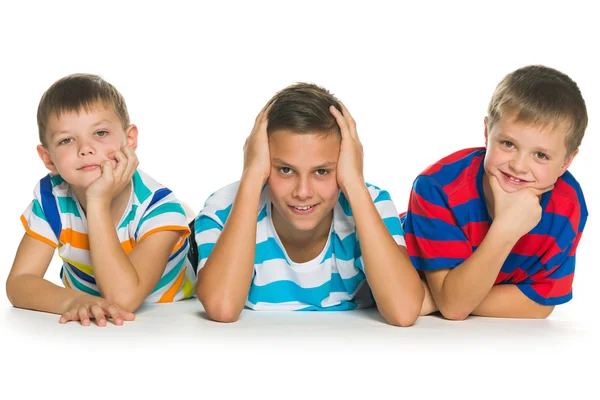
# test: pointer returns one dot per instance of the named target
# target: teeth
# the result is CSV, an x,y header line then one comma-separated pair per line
x,y
515,179
303,208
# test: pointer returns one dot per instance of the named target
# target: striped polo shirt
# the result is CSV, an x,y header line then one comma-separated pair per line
x,y
447,220
56,218
334,280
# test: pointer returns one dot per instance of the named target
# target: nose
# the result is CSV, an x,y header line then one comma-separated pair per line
x,y
85,148
518,164
303,189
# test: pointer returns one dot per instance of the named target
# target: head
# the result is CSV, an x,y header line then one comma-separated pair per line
x,y
536,121
304,145
82,121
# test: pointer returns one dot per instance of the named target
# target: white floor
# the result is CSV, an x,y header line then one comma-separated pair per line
x,y
272,355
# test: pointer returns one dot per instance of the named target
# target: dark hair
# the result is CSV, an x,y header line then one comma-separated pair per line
x,y
541,95
303,108
75,92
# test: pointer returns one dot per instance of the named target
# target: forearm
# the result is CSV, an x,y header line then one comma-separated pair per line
x,y
508,301
393,280
224,281
465,286
115,275
35,293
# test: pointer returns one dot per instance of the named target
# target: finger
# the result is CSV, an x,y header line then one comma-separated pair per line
x,y
115,314
348,117
107,170
84,316
98,315
494,184
68,316
341,121
132,162
122,162
540,192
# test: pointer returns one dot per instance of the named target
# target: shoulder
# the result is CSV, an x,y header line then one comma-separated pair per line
x,y
566,199
218,205
451,174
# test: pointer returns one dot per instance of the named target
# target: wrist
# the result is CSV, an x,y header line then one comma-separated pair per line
x,y
501,235
254,177
353,186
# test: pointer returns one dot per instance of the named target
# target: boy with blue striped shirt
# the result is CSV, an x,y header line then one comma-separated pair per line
x,y
302,230
122,237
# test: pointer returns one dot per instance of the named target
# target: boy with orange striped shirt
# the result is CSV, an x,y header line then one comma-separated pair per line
x,y
122,236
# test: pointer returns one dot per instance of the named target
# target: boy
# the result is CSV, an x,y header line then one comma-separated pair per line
x,y
495,229
123,238
285,238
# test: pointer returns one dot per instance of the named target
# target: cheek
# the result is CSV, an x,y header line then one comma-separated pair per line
x,y
328,189
278,188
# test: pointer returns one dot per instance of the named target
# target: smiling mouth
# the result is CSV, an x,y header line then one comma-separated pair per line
x,y
512,179
303,209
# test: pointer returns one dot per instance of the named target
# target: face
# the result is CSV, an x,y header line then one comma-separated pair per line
x,y
78,143
302,185
522,155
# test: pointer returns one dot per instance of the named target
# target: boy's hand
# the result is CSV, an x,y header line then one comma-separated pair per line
x,y
516,213
116,174
85,308
257,158
350,161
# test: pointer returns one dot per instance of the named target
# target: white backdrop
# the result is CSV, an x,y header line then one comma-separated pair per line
x,y
417,79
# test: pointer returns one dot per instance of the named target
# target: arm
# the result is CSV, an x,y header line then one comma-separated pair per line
x,y
458,291
125,279
224,280
393,280
508,301
26,288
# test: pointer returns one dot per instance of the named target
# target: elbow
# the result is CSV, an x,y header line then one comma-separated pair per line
x,y
221,312
10,292
125,303
454,313
543,312
402,315
218,308
402,319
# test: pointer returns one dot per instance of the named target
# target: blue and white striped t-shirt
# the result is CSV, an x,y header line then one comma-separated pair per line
x,y
334,280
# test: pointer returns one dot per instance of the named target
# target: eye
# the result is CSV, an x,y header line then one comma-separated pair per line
x,y
65,141
507,144
542,156
285,170
101,133
321,172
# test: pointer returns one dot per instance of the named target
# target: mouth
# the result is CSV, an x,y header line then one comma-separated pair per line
x,y
513,180
89,167
303,210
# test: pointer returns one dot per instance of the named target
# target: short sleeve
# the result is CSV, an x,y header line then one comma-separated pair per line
x,y
163,213
207,231
552,285
434,240
36,222
389,214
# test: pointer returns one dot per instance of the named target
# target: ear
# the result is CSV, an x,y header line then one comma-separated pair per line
x,y
131,135
568,162
485,130
46,159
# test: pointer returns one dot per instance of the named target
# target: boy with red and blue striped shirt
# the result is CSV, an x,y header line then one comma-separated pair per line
x,y
494,230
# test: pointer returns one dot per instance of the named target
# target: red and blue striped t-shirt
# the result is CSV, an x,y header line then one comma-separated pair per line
x,y
447,219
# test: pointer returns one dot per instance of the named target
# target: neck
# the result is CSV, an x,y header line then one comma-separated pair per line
x,y
310,242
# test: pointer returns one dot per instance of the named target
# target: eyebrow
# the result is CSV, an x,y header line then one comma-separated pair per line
x,y
511,139
100,122
321,166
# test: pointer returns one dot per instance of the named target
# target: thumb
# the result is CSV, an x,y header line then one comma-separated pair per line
x,y
494,184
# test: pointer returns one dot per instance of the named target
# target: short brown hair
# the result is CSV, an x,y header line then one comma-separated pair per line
x,y
541,95
76,92
303,108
